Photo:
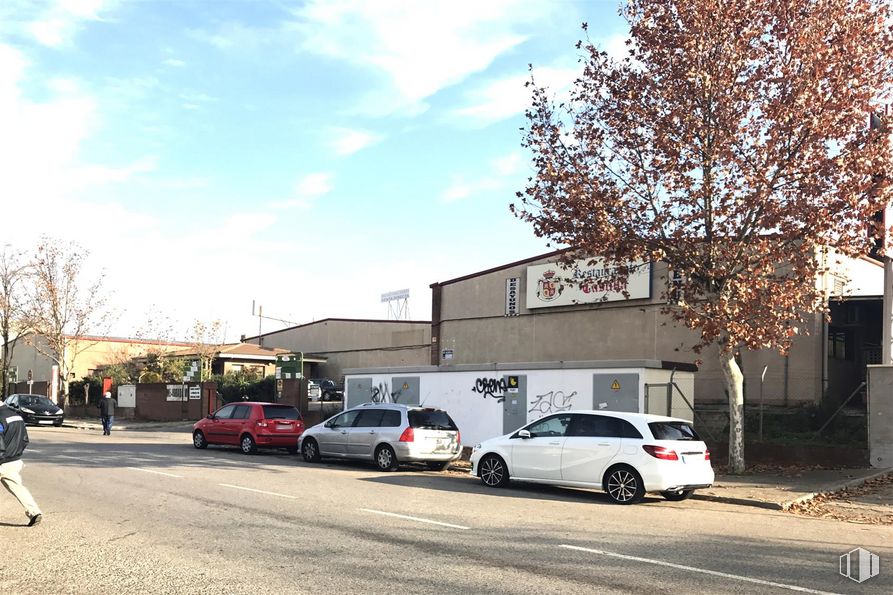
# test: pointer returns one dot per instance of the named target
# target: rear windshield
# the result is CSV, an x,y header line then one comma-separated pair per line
x,y
673,430
280,412
431,419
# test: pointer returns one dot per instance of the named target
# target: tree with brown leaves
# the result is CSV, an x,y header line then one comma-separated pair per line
x,y
732,144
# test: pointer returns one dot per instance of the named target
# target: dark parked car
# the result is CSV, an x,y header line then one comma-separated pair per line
x,y
36,409
250,425
323,389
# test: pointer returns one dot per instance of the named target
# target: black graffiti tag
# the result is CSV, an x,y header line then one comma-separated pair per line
x,y
491,387
382,394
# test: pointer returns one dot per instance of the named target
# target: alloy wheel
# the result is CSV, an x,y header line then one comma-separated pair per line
x,y
622,486
492,471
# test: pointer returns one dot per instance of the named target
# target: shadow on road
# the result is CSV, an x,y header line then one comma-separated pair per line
x,y
471,485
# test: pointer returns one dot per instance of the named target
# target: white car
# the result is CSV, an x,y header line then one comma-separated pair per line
x,y
624,454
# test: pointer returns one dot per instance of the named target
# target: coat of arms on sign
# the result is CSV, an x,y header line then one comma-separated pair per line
x,y
549,287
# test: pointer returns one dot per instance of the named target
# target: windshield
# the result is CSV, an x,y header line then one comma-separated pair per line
x,y
431,419
280,412
673,430
35,401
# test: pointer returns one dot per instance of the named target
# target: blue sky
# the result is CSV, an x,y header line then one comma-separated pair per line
x,y
307,155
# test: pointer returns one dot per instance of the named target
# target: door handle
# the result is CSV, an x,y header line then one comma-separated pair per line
x,y
344,431
555,443
603,444
371,431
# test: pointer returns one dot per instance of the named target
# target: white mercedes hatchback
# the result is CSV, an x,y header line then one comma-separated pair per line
x,y
624,454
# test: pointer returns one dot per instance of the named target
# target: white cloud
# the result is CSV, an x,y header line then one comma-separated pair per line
x,y
346,141
419,47
306,190
508,97
502,174
174,63
56,24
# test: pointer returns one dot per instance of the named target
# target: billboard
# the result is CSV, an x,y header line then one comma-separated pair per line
x,y
550,285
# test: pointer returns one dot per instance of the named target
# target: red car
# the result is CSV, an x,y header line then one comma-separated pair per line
x,y
250,425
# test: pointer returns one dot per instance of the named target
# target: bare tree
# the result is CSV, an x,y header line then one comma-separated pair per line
x,y
732,144
206,339
13,274
65,305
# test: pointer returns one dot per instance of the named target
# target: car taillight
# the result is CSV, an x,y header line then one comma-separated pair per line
x,y
262,423
659,452
707,454
458,437
407,436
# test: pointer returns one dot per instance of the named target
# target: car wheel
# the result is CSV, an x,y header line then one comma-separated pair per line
x,y
385,458
249,447
678,495
494,472
310,450
624,485
198,439
438,466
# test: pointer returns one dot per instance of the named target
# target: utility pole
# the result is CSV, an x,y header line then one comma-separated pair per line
x,y
879,120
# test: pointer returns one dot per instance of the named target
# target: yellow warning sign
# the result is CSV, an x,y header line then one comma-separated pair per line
x,y
615,385
405,386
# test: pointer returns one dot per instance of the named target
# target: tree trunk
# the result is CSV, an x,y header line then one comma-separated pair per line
x,y
735,387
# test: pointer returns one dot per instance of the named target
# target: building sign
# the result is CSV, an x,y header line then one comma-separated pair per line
x,y
551,284
447,354
195,392
512,288
176,392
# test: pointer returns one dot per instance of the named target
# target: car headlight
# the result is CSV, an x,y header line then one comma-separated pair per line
x,y
26,410
60,412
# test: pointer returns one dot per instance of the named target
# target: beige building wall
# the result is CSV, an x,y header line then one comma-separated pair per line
x,y
355,343
90,354
474,329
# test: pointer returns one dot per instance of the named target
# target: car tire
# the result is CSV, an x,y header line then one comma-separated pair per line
x,y
678,495
438,465
385,458
248,445
199,440
624,485
493,471
310,451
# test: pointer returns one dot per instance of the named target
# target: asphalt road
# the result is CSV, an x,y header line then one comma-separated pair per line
x,y
144,512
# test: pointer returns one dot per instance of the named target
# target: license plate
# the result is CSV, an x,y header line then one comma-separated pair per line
x,y
45,421
283,427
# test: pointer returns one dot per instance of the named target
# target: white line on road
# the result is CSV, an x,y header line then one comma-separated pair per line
x,y
227,485
693,569
35,450
413,518
156,472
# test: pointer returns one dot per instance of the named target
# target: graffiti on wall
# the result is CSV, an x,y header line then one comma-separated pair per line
x,y
383,394
552,402
491,387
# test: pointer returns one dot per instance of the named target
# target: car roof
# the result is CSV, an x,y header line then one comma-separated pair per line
x,y
394,406
28,395
629,416
258,403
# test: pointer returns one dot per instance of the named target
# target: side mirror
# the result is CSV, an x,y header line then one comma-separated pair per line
x,y
210,416
524,434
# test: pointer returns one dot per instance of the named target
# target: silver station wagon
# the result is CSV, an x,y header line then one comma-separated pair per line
x,y
386,433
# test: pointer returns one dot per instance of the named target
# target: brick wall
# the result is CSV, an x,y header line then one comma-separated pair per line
x,y
152,402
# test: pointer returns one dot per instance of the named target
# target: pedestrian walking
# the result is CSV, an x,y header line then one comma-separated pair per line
x,y
107,413
13,441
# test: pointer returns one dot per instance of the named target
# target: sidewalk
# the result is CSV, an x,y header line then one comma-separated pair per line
x,y
783,489
129,424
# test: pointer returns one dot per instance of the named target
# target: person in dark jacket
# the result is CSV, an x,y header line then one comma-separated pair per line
x,y
107,413
13,440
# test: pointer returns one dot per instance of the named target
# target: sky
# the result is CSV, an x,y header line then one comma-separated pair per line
x,y
305,157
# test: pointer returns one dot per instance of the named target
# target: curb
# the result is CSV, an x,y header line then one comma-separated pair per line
x,y
738,501
835,488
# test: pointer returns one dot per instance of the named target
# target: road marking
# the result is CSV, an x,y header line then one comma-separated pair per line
x,y
693,569
413,518
155,472
227,485
35,450
68,457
